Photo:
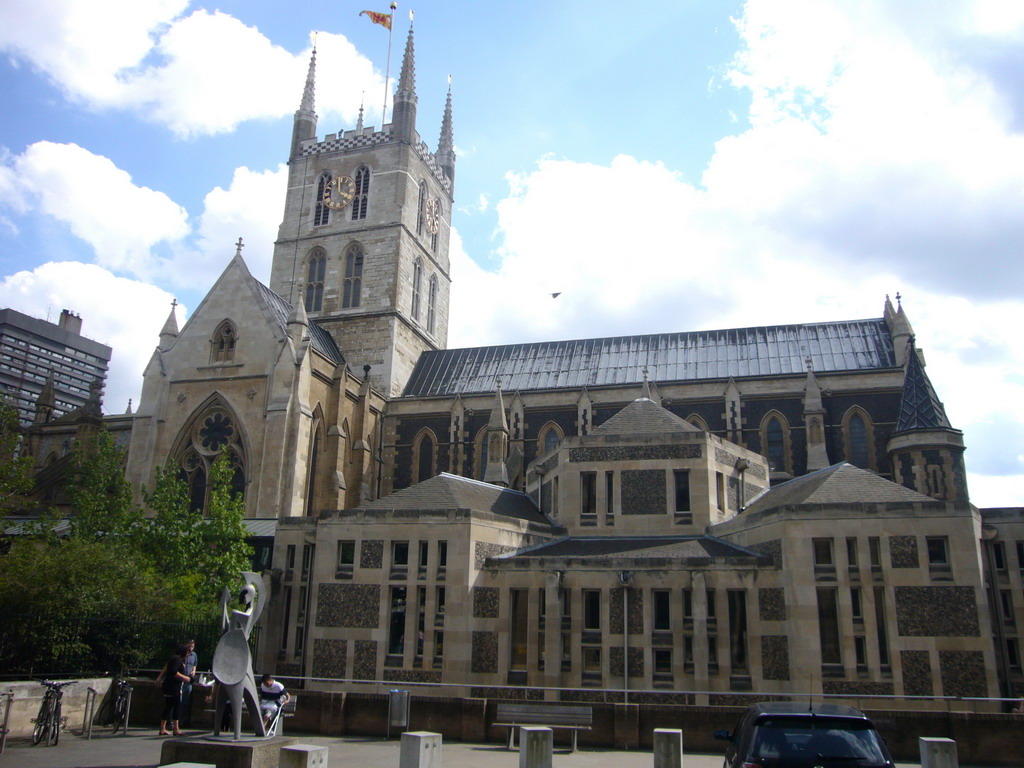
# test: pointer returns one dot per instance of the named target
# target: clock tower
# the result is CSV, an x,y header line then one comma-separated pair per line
x,y
363,244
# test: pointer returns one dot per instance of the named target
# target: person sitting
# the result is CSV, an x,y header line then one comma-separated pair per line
x,y
272,697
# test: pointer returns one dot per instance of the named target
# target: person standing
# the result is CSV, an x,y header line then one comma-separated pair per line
x,y
171,679
191,662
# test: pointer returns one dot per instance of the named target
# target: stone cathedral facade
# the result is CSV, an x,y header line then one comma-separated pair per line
x,y
683,516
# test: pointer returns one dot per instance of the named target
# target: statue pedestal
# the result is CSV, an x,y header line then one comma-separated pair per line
x,y
225,752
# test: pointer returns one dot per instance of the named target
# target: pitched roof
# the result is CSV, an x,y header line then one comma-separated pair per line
x,y
638,547
643,417
321,340
446,491
920,407
765,350
839,484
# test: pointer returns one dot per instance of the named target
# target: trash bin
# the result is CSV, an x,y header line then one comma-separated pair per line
x,y
398,710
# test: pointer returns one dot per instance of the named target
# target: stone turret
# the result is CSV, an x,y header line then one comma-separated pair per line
x,y
497,442
446,143
305,116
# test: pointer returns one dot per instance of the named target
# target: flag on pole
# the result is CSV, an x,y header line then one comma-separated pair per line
x,y
384,19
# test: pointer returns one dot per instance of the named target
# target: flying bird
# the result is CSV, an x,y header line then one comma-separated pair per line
x,y
556,294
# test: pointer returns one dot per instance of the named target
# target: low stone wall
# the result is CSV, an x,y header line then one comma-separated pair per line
x,y
982,739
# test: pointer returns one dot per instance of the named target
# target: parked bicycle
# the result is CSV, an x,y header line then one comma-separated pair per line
x,y
114,712
49,722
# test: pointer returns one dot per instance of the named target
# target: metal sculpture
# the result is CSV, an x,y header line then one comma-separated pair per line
x,y
232,660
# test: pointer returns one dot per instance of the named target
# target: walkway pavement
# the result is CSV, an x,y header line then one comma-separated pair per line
x,y
141,749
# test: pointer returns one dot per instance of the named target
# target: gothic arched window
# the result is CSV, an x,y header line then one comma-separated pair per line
x,y
222,346
321,213
775,442
353,276
417,288
361,200
698,422
858,438
315,280
211,434
550,437
311,464
432,305
425,456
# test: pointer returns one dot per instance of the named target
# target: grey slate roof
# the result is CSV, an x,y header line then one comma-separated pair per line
x,y
765,350
446,491
644,417
321,340
839,484
920,407
638,547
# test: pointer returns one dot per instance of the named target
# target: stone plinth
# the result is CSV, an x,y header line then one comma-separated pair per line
x,y
668,748
420,749
255,753
535,745
303,756
938,752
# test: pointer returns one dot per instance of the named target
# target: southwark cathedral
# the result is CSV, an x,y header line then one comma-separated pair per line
x,y
679,516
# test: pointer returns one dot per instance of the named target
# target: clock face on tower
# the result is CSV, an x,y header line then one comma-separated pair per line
x,y
433,218
339,192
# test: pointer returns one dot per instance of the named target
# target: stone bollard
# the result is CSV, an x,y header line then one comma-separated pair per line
x,y
668,748
937,752
535,744
420,749
303,756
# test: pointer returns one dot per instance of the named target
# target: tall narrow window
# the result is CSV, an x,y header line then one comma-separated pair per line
x,y
315,281
314,455
223,343
432,305
681,478
425,457
858,432
882,632
417,288
353,276
775,445
361,200
592,609
519,626
738,629
421,210
396,626
828,626
588,494
321,213
660,598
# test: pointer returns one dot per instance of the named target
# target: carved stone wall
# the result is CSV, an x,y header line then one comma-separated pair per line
x,y
364,665
772,603
903,550
643,492
635,453
936,612
371,554
485,602
636,661
962,673
330,658
917,673
775,657
485,652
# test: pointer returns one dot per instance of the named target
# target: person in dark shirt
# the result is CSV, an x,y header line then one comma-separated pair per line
x,y
171,679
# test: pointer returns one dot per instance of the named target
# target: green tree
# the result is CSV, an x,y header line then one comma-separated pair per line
x,y
15,469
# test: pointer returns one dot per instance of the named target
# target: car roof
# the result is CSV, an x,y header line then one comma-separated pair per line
x,y
796,709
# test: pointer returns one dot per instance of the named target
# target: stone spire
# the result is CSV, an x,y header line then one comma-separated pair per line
x,y
359,122
497,442
814,419
899,328
305,116
46,403
170,330
403,113
446,144
920,407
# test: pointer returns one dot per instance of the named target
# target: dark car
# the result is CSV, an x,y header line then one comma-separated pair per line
x,y
794,735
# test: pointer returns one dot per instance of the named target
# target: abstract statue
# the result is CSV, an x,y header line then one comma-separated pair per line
x,y
232,660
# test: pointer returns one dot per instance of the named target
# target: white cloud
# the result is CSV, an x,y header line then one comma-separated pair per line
x,y
96,200
124,314
198,74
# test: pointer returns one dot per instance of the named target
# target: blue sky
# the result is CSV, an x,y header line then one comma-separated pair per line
x,y
697,164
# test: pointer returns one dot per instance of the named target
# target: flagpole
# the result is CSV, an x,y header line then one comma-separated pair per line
x,y
387,71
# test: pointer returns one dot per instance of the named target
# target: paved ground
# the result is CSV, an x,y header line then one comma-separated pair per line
x,y
141,749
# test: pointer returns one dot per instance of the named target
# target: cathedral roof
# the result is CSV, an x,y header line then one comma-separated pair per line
x,y
446,491
765,350
839,484
322,341
687,548
644,417
920,407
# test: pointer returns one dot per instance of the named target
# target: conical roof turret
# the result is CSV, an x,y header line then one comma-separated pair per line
x,y
446,143
170,330
920,407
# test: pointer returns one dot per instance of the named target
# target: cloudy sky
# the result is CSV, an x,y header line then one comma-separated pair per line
x,y
700,164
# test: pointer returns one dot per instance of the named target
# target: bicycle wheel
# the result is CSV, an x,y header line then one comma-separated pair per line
x,y
42,726
120,712
105,715
55,725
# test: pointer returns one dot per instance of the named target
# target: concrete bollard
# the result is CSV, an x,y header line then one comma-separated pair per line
x,y
668,748
420,749
303,756
535,745
938,752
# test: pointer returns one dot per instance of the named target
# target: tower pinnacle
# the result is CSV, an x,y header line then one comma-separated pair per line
x,y
446,143
403,116
305,116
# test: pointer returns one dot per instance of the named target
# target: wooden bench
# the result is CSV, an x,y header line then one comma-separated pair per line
x,y
555,716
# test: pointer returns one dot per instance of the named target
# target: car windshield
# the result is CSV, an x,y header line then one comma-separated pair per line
x,y
797,741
